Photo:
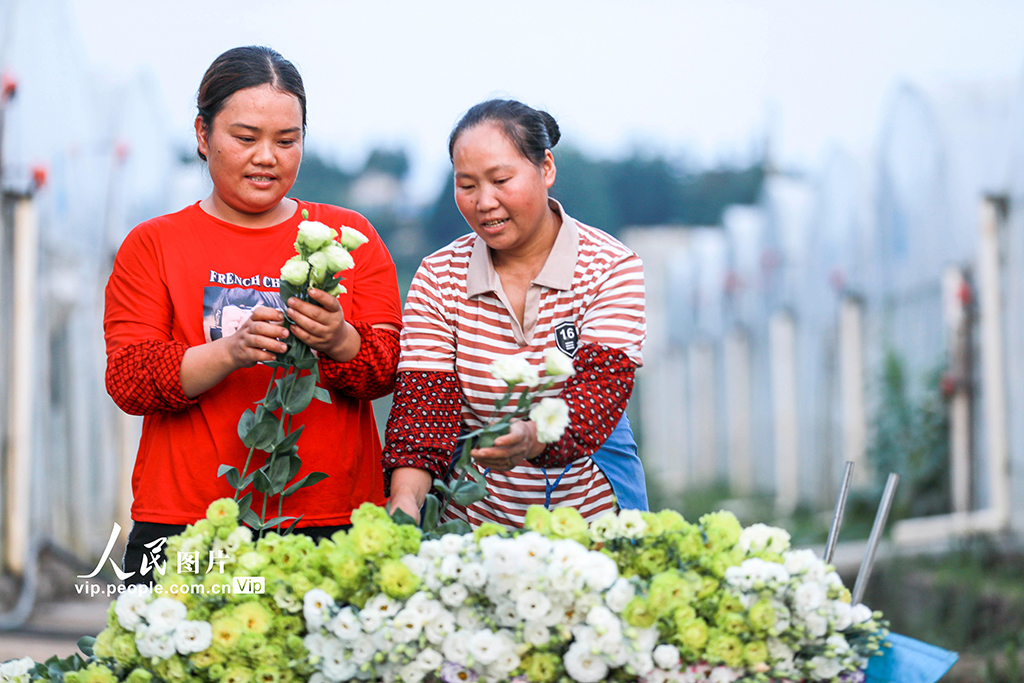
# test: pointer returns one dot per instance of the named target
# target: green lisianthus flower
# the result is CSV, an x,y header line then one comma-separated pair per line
x,y
722,529
348,568
287,624
172,670
226,632
542,667
397,580
352,239
408,539
670,520
761,615
216,671
137,676
639,613
96,673
651,560
223,513
488,529
104,645
236,674
688,543
732,623
692,636
338,258
373,539
267,674
254,616
755,652
206,658
683,615
313,235
125,652
368,513
654,525
538,518
569,523
724,648
668,591
252,561
300,584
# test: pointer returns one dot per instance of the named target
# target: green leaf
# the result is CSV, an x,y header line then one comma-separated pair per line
x,y
251,519
290,440
272,401
245,501
56,675
278,474
524,401
287,290
400,516
277,520
299,397
477,476
321,394
264,434
291,526
260,481
442,487
231,475
85,644
455,526
470,492
308,480
306,363
245,424
431,512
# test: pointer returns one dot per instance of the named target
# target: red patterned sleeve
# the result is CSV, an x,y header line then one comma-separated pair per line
x,y
145,378
371,374
423,427
597,395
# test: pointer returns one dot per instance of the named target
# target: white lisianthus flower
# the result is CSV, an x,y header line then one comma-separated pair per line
x,y
17,670
412,673
453,595
838,644
338,258
666,656
619,595
532,605
313,235
192,636
584,666
513,370
452,544
456,648
473,575
536,634
314,603
817,624
825,668
163,615
557,363
605,527
352,239
315,643
551,416
151,642
860,613
131,606
346,624
632,524
362,650
407,626
761,537
485,646
842,615
438,628
336,665
318,265
641,662
601,573
723,674
295,271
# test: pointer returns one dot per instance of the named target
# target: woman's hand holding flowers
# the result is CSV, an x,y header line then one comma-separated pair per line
x,y
258,339
509,450
321,325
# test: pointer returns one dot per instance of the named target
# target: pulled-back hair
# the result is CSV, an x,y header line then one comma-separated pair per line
x,y
246,67
530,130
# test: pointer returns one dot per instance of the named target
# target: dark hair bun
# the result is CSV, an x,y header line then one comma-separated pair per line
x,y
554,134
532,131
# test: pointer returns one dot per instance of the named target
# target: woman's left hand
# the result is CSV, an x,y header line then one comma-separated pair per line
x,y
323,327
510,449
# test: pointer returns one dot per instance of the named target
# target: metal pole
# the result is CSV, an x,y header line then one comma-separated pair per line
x,y
876,534
837,516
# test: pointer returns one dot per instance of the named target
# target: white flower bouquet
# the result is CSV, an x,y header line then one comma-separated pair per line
x,y
635,596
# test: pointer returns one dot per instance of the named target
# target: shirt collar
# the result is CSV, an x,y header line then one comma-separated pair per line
x,y
558,269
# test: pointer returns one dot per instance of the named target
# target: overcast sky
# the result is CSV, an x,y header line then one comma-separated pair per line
x,y
696,78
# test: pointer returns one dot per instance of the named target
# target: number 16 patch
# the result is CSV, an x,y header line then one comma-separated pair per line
x,y
567,338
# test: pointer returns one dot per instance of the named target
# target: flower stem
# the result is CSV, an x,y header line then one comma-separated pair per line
x,y
248,458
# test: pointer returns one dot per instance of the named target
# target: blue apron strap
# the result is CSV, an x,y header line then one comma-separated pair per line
x,y
549,486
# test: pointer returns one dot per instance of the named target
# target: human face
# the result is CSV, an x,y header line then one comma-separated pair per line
x,y
503,195
253,148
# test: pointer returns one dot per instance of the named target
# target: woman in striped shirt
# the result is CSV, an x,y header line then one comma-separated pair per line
x,y
528,278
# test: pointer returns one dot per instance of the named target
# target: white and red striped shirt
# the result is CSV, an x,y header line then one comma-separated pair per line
x,y
458,319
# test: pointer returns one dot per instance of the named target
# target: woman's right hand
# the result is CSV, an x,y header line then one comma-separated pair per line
x,y
258,339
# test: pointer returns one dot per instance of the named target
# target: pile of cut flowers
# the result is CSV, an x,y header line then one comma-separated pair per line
x,y
634,596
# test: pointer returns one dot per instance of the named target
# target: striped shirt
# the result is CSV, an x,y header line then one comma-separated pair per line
x,y
458,319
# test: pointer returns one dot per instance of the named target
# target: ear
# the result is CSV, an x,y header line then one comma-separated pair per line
x,y
547,169
201,137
